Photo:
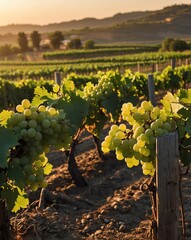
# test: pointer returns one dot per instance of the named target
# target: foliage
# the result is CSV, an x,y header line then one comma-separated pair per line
x,y
75,44
56,39
170,44
23,41
35,38
90,44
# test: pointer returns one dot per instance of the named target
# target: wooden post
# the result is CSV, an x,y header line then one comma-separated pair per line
x,y
138,67
151,89
57,78
167,184
173,63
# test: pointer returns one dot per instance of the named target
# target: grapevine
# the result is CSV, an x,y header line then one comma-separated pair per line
x,y
35,129
135,140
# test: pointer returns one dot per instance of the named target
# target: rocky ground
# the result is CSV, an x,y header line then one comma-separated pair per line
x,y
111,206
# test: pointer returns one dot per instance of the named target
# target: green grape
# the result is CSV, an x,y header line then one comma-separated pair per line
x,y
28,169
38,163
120,135
116,142
31,132
34,186
38,136
141,143
43,184
32,178
167,126
45,123
159,132
122,127
105,149
32,123
114,127
39,178
23,124
138,132
25,103
27,112
119,156
147,106
41,108
20,108
24,133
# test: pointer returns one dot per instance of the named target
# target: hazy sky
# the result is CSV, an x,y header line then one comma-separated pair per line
x,y
50,11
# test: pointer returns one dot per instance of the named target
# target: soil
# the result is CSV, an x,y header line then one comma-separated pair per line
x,y
111,206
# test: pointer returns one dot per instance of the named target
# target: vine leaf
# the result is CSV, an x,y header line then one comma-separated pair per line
x,y
75,110
4,116
15,198
21,202
185,96
171,103
7,140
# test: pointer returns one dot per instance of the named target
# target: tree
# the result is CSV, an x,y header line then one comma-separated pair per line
x,y
89,44
35,38
75,44
23,41
170,44
166,44
56,39
179,45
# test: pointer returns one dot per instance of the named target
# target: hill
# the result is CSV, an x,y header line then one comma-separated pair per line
x,y
173,21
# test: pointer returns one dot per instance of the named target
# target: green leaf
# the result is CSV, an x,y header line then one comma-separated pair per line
x,y
171,103
22,201
185,156
111,103
47,169
75,110
16,174
4,116
185,96
10,194
7,140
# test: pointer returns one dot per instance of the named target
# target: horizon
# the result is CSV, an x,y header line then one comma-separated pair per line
x,y
24,13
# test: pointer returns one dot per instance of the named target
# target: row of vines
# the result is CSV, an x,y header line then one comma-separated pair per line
x,y
46,69
55,115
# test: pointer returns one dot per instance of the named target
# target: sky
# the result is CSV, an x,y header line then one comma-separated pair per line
x,y
55,11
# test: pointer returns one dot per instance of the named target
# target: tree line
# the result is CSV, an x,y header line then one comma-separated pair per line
x,y
55,40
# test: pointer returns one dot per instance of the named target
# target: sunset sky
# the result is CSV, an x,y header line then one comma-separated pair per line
x,y
51,11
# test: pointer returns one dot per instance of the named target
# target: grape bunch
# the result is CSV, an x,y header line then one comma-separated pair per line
x,y
37,128
135,142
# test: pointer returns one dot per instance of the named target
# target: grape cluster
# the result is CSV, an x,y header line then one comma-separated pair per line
x,y
100,91
137,143
37,128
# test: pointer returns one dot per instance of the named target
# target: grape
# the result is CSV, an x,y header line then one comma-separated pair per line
x,y
27,112
45,123
19,108
32,123
41,108
31,132
25,103
146,105
120,135
116,142
122,127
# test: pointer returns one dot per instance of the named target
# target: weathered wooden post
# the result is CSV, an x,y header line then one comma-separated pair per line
x,y
138,67
167,184
151,89
173,63
57,78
